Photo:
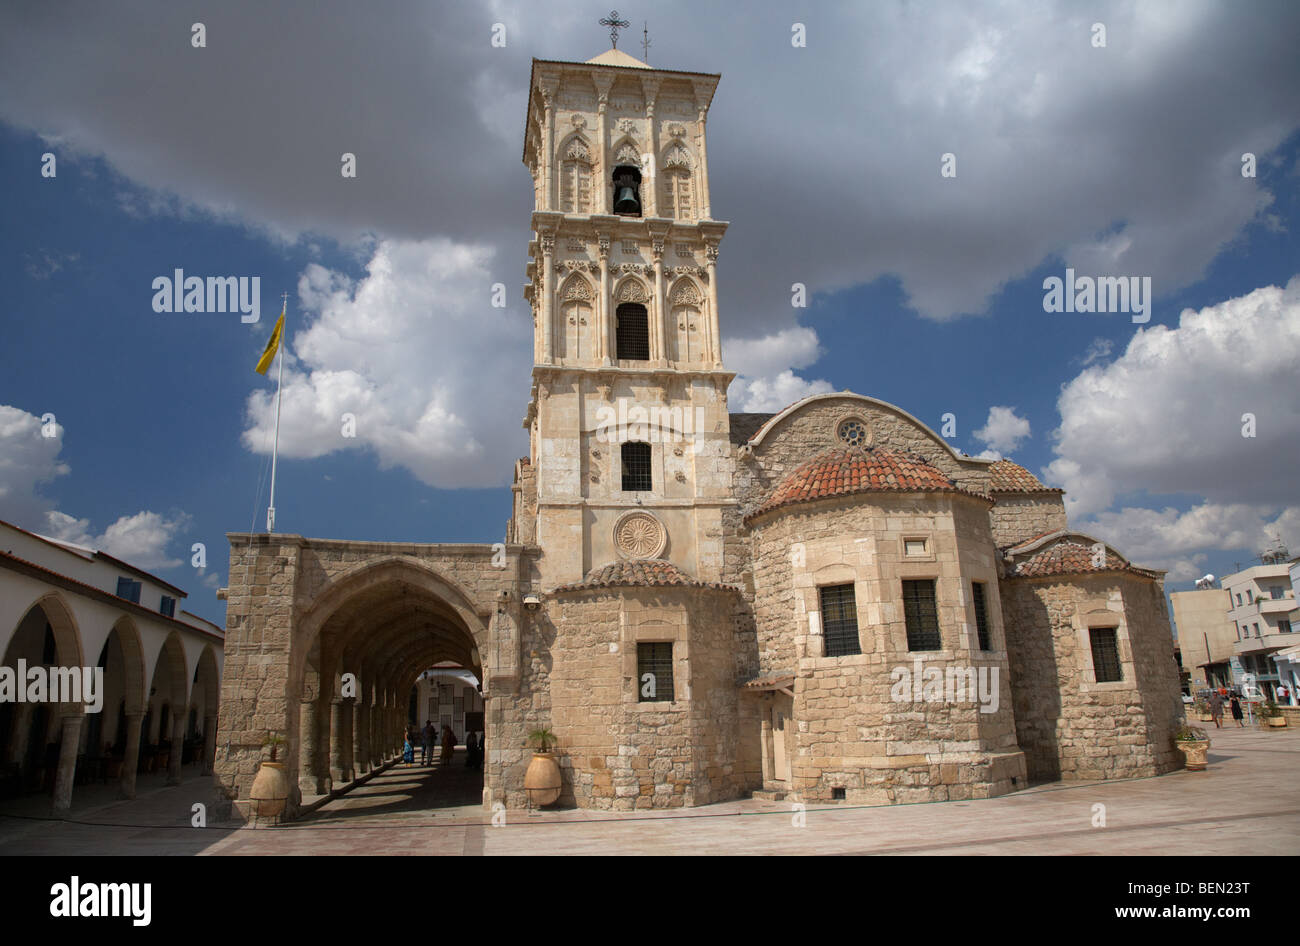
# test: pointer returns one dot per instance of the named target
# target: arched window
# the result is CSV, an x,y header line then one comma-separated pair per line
x,y
627,191
633,332
636,467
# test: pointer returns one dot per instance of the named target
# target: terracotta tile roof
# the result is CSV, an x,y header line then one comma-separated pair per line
x,y
845,471
1070,555
1011,477
640,572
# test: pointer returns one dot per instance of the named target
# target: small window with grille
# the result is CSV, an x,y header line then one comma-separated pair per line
x,y
981,614
636,467
921,615
633,328
654,671
840,621
1105,654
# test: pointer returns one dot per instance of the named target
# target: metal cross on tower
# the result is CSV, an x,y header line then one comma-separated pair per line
x,y
614,24
645,41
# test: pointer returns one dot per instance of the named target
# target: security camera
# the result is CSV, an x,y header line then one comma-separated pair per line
x,y
532,602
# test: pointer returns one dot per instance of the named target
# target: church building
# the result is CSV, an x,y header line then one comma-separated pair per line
x,y
826,603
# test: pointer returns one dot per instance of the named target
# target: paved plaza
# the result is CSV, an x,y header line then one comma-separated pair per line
x,y
1246,803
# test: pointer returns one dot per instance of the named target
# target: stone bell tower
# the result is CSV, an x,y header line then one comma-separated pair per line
x,y
628,412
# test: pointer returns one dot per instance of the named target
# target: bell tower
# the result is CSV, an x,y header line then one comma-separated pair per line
x,y
628,412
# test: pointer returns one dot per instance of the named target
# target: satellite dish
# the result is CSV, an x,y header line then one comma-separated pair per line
x,y
1205,582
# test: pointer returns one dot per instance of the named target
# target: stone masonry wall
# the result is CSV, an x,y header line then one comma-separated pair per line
x,y
1069,725
1018,517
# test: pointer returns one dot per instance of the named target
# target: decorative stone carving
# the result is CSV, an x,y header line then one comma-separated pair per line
x,y
577,290
602,247
625,125
577,151
628,155
548,243
578,122
574,245
676,129
678,157
631,291
639,535
711,254
686,294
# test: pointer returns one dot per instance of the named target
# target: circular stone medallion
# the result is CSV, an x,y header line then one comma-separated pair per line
x,y
639,535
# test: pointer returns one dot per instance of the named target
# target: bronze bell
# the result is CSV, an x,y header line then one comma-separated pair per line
x,y
625,200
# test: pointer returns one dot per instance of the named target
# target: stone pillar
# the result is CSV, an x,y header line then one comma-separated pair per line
x,y
548,137
174,756
307,747
546,286
67,771
659,332
209,743
337,739
347,739
715,343
766,746
706,212
131,757
604,204
605,352
650,187
361,737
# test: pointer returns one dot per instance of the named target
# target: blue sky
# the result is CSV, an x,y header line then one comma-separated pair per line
x,y
924,297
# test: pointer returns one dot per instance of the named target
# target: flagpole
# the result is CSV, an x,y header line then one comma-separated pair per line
x,y
275,449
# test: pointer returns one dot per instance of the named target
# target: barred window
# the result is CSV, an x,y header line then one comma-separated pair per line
x,y
1105,654
654,672
981,614
840,621
633,329
921,615
636,467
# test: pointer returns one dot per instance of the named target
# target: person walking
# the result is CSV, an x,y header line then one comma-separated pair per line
x,y
1236,710
1216,708
408,750
448,744
428,736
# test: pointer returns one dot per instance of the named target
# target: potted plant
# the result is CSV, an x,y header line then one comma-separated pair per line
x,y
1203,711
1194,745
542,779
270,791
1271,716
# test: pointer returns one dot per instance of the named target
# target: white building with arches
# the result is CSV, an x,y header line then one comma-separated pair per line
x,y
66,606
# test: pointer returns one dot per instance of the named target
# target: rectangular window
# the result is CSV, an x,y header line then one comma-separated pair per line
x,y
128,589
1283,626
1105,654
636,467
167,606
981,614
840,621
1256,629
1250,596
1276,593
654,672
921,614
1238,599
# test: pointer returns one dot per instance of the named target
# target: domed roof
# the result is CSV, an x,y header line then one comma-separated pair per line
x,y
1067,553
845,471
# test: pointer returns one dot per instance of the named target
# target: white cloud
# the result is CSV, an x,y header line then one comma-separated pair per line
x,y
1003,431
1098,350
764,366
1165,417
29,460
431,372
1179,541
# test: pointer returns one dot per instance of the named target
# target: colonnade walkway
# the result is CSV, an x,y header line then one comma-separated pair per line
x,y
1245,804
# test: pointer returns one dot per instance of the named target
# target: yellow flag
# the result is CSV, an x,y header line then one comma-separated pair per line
x,y
272,346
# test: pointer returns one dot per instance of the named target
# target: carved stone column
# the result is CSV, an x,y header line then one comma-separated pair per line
x,y
603,320
307,782
650,194
603,180
547,289
715,344
706,212
547,90
660,320
360,737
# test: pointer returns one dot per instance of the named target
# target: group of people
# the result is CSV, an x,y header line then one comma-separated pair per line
x,y
429,736
1216,708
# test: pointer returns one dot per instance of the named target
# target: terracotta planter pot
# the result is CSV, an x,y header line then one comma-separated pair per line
x,y
270,790
542,780
1195,754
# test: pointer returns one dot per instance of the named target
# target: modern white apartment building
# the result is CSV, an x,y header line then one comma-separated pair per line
x,y
1262,612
